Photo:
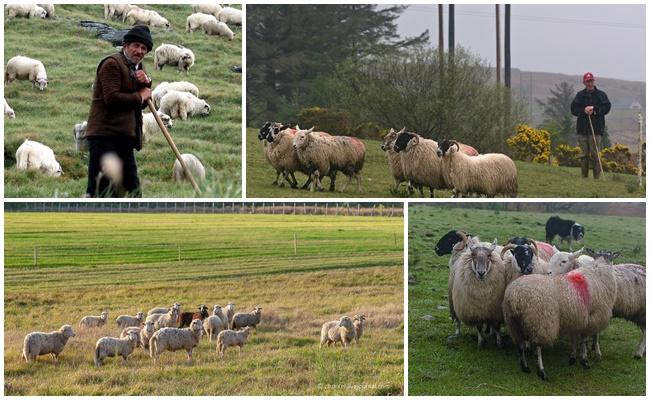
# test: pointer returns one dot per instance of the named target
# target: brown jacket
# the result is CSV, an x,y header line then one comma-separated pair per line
x,y
116,107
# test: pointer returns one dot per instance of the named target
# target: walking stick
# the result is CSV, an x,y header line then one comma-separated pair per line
x,y
173,146
593,134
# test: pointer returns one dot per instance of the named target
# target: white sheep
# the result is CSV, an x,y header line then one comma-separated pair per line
x,y
217,28
9,112
113,347
242,320
193,164
169,54
94,321
394,158
144,333
197,20
167,320
163,310
33,155
230,15
39,343
181,105
163,87
523,260
230,338
420,164
150,126
151,18
26,69
80,139
333,332
230,312
172,339
25,10
49,9
215,323
117,10
359,322
125,321
281,154
212,9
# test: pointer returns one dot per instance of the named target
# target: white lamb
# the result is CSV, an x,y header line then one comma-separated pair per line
x,y
150,126
193,164
181,105
218,28
49,9
113,347
169,54
230,15
36,156
163,87
25,68
9,112
139,16
25,10
212,9
198,20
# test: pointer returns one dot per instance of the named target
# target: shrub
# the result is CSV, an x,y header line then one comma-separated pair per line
x,y
530,144
326,120
568,156
369,130
617,159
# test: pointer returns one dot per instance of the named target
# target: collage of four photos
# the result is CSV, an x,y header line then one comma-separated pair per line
x,y
324,199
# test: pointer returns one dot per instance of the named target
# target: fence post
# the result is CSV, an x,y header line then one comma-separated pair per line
x,y
295,244
35,256
179,252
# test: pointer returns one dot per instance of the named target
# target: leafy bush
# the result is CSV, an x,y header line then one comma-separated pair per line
x,y
568,156
618,159
530,144
324,119
369,130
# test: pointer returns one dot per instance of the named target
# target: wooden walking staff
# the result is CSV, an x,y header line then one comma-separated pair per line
x,y
593,134
173,146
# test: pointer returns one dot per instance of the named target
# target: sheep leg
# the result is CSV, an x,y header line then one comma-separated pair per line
x,y
189,355
345,185
522,358
481,340
540,364
640,350
421,191
574,350
431,192
293,182
583,354
332,176
499,338
596,346
358,176
277,178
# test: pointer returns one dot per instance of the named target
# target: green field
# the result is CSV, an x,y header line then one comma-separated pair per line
x,y
70,54
535,180
115,262
459,368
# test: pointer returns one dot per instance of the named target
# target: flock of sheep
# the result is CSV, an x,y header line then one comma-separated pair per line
x,y
174,100
423,163
540,293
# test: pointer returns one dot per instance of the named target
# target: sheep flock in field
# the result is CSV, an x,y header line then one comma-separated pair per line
x,y
538,293
178,100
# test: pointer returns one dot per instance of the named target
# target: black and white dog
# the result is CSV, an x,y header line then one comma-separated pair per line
x,y
566,229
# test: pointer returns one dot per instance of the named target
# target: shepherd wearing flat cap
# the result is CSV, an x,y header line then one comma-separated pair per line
x,y
114,130
590,106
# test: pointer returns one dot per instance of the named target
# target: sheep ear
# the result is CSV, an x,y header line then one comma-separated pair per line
x,y
310,130
555,249
494,245
297,127
578,253
403,129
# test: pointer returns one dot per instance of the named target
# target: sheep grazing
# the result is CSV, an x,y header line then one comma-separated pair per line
x,y
198,20
230,312
49,10
39,343
163,87
169,319
230,338
80,139
144,333
217,28
486,174
33,155
150,125
567,229
169,54
193,164
25,11
9,112
26,69
186,318
242,320
117,10
139,16
163,310
230,15
94,321
394,159
538,309
181,105
359,321
337,331
125,321
212,9
325,155
420,164
215,323
523,260
113,347
173,339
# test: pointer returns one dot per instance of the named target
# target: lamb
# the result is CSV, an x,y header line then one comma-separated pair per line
x,y
163,87
197,20
113,347
139,16
230,338
144,333
150,126
169,54
420,164
117,10
337,331
217,28
33,155
80,139
186,318
324,156
9,112
212,9
163,310
193,164
39,343
488,174
49,9
230,312
540,308
394,158
25,10
94,321
181,105
169,319
242,320
173,339
230,15
125,321
358,322
25,68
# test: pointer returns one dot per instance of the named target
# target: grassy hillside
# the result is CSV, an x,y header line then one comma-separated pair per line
x,y
70,54
436,368
534,180
344,265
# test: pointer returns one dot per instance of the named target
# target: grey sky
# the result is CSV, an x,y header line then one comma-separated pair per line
x,y
608,40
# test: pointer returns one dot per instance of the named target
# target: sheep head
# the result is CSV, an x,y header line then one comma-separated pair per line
x,y
446,146
607,255
452,240
66,331
405,140
302,138
562,262
197,327
523,255
481,258
346,322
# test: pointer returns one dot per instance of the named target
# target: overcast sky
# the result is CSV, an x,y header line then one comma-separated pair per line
x,y
608,40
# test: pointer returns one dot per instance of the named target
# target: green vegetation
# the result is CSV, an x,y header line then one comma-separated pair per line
x,y
70,54
343,265
436,368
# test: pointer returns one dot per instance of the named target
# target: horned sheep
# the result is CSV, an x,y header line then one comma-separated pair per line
x,y
39,343
151,18
25,10
125,321
230,15
419,162
242,320
523,260
197,20
9,112
94,321
193,164
342,331
113,347
24,68
173,339
217,28
394,158
169,54
181,105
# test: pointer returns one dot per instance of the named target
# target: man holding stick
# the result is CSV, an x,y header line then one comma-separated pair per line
x,y
590,106
121,90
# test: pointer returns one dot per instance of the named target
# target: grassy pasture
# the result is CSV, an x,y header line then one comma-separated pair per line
x,y
534,180
71,54
436,368
344,265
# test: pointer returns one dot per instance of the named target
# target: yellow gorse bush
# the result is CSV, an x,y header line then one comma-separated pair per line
x,y
618,158
568,156
530,144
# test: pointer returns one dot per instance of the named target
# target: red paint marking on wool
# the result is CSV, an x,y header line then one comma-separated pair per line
x,y
581,285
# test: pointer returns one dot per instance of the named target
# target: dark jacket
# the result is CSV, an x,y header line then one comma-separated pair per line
x,y
116,107
599,100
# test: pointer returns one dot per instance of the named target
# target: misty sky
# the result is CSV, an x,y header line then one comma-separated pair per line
x,y
608,40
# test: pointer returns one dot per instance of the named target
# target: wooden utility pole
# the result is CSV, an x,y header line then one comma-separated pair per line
x,y
498,71
507,47
441,44
452,27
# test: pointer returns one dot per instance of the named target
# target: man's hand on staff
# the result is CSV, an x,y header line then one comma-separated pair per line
x,y
145,94
141,77
589,110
